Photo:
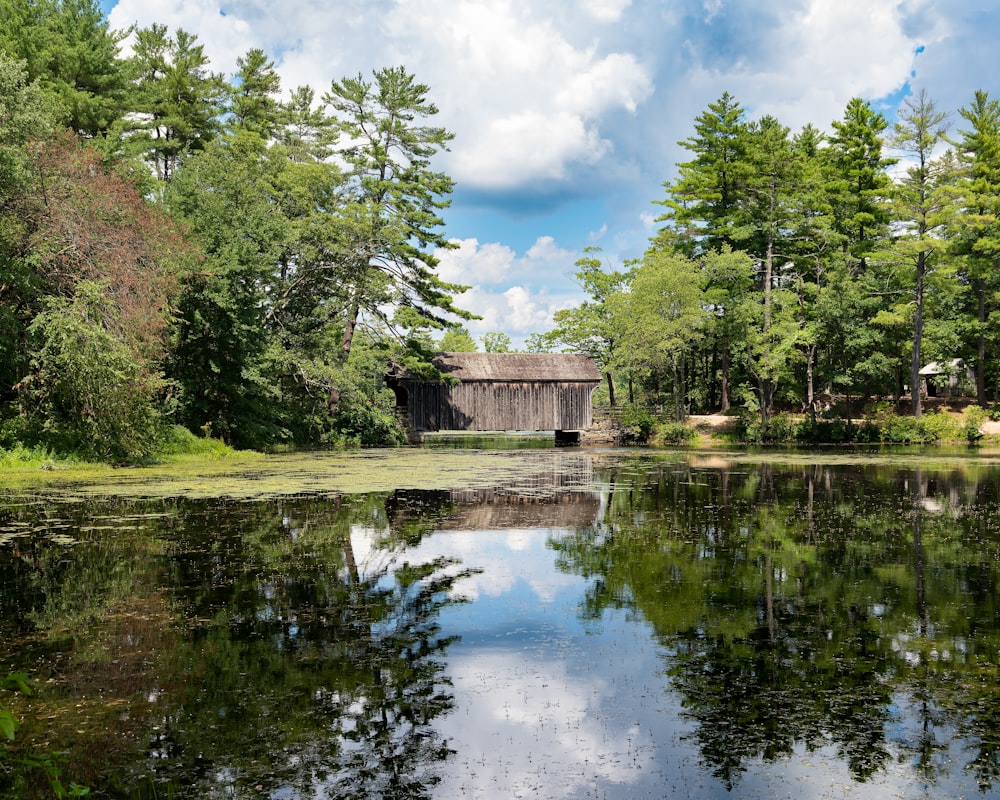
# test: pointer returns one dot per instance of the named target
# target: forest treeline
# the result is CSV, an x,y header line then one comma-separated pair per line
x,y
185,250
796,270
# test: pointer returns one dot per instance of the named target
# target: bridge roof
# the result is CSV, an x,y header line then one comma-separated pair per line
x,y
535,367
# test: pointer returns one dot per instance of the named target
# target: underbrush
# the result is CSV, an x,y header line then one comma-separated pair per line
x,y
672,433
176,443
179,441
879,426
19,456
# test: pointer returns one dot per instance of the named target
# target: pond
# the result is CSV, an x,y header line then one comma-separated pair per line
x,y
537,623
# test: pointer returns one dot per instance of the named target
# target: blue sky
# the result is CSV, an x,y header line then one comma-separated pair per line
x,y
567,113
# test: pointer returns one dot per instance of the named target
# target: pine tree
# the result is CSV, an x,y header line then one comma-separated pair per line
x,y
922,208
177,99
976,230
392,220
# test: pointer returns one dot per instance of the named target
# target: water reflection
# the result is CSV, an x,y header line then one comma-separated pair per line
x,y
812,609
628,625
293,654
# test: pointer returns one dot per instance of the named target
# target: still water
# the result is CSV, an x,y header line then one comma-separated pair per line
x,y
595,624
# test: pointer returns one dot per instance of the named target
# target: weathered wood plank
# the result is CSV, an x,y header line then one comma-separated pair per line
x,y
502,391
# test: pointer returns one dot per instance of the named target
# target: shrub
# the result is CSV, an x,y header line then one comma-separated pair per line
x,y
178,440
932,427
365,420
782,428
903,430
637,423
972,424
89,391
673,433
939,426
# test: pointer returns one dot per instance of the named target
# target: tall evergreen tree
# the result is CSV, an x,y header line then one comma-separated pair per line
x,y
859,186
178,101
811,244
69,48
221,345
254,103
307,133
922,205
703,202
858,190
392,220
773,181
976,230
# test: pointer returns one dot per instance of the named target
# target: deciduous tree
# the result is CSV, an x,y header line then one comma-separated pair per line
x,y
664,315
590,328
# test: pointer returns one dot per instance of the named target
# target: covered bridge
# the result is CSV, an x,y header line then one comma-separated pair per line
x,y
500,392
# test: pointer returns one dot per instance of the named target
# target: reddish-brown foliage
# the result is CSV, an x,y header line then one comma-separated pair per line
x,y
88,223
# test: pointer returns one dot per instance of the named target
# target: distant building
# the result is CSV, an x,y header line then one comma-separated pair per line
x,y
947,379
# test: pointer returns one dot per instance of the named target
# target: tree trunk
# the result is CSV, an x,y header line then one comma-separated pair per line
x,y
678,386
724,405
611,388
348,338
766,394
768,267
918,333
981,347
810,385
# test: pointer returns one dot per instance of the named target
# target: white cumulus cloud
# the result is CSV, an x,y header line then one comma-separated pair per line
x,y
606,10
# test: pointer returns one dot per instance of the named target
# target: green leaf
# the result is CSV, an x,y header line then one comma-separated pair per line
x,y
8,724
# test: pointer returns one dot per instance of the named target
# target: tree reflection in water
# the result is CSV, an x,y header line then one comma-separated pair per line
x,y
811,607
303,647
306,668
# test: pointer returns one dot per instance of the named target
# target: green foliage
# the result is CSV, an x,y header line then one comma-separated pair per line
x,y
394,199
940,426
366,418
176,100
220,343
25,112
496,342
787,262
179,441
661,318
972,423
931,427
67,46
88,392
702,204
783,428
457,340
903,430
637,423
672,432
21,456
591,327
254,99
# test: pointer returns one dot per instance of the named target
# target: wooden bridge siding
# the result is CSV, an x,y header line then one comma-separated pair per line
x,y
498,406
